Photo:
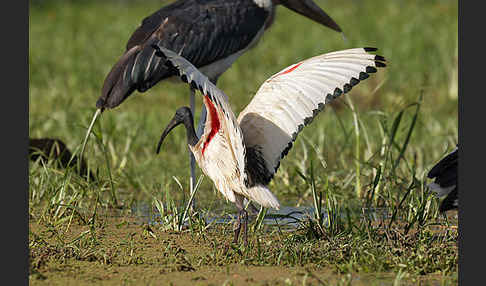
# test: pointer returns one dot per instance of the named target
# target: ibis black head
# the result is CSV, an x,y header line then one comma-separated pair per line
x,y
310,10
183,115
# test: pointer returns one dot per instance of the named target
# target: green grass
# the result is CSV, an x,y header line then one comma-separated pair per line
x,y
370,149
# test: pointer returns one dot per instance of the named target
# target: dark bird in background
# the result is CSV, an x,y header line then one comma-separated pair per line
x,y
211,34
55,149
444,174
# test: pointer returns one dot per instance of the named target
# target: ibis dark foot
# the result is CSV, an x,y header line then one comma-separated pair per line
x,y
241,222
244,215
237,228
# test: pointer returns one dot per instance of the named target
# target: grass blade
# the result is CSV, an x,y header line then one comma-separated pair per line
x,y
189,204
409,133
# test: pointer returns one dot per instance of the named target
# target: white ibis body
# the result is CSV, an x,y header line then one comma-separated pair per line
x,y
242,155
445,174
211,34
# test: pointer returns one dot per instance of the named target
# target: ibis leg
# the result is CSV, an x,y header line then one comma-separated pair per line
x,y
242,220
244,214
237,228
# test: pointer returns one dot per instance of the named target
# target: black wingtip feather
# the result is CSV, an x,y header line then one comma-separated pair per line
x,y
370,49
370,69
363,76
380,58
194,85
354,81
380,64
347,87
329,98
184,78
337,92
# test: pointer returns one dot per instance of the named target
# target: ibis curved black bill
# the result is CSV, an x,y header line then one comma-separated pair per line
x,y
312,11
172,124
183,115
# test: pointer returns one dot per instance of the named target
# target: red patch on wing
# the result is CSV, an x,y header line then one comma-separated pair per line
x,y
215,123
290,69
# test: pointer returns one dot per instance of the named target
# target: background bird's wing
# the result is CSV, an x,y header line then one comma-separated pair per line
x,y
200,31
290,99
445,173
197,28
190,74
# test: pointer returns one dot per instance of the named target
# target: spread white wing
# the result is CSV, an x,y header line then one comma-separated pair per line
x,y
290,99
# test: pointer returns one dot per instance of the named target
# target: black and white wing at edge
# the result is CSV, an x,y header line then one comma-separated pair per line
x,y
290,99
445,175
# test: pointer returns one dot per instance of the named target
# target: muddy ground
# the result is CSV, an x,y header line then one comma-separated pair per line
x,y
125,251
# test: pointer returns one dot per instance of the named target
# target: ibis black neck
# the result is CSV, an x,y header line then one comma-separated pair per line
x,y
191,132
183,116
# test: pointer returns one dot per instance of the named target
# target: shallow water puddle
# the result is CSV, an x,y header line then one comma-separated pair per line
x,y
287,218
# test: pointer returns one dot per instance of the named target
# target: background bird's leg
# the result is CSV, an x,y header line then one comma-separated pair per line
x,y
202,122
191,156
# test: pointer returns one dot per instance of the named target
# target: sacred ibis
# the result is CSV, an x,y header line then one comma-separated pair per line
x,y
242,155
211,34
445,174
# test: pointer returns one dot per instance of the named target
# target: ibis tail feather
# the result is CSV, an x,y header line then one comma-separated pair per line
x,y
263,196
